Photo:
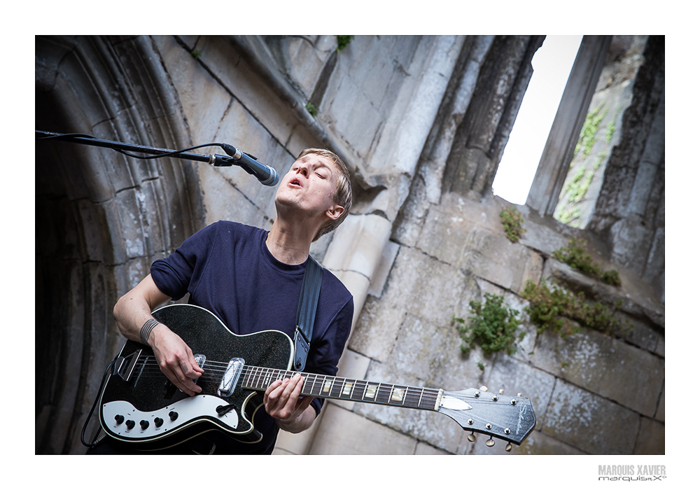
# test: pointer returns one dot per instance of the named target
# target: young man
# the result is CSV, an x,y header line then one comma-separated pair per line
x,y
251,279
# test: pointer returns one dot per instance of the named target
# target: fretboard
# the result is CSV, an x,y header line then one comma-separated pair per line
x,y
321,386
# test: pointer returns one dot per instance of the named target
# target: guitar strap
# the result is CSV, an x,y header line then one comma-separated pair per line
x,y
306,312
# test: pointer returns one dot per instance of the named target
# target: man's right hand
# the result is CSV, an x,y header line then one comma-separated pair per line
x,y
175,359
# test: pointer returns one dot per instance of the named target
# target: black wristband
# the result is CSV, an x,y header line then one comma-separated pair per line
x,y
147,328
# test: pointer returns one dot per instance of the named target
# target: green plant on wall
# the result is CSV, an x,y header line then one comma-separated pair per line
x,y
575,255
512,221
312,109
491,325
343,41
564,312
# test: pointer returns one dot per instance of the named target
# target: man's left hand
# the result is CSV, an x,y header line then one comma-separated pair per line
x,y
283,402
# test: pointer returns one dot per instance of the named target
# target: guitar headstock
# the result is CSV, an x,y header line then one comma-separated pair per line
x,y
510,418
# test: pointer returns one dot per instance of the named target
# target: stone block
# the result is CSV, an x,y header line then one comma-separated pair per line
x,y
631,242
376,329
307,59
429,352
91,217
479,245
589,422
431,427
606,366
358,244
424,449
428,288
343,432
661,409
381,271
130,223
651,439
235,75
515,377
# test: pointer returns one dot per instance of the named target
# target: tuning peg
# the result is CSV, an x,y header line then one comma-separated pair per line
x,y
500,392
471,437
484,388
490,442
520,395
509,446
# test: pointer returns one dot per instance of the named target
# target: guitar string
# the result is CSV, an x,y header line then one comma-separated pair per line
x,y
260,375
416,396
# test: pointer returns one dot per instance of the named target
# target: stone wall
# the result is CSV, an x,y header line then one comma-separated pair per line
x,y
422,122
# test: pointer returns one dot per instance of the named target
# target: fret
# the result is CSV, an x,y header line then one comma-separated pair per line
x,y
313,383
362,385
303,387
412,393
383,393
251,376
258,377
421,396
336,388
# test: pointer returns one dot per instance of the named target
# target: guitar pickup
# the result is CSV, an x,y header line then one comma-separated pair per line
x,y
230,378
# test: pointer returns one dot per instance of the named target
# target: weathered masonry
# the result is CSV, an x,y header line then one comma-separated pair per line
x,y
422,122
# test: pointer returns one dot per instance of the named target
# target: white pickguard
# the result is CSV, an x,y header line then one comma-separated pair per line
x,y
187,410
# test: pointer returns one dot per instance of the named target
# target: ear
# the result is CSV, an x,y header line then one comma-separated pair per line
x,y
335,212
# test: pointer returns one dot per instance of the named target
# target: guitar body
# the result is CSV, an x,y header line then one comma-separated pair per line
x,y
140,393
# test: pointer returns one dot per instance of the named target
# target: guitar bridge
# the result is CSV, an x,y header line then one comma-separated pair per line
x,y
125,365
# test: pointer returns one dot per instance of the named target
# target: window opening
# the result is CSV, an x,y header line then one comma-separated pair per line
x,y
552,65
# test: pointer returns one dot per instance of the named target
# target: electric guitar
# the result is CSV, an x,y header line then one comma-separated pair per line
x,y
140,405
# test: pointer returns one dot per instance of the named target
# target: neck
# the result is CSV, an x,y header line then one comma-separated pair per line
x,y
288,244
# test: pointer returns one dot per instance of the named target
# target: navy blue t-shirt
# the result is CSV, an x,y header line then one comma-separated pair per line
x,y
227,269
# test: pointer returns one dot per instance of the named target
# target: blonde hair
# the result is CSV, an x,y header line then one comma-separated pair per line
x,y
343,189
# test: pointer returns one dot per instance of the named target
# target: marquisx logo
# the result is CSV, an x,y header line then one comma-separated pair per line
x,y
631,472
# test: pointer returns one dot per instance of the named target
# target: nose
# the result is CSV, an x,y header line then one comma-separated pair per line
x,y
303,169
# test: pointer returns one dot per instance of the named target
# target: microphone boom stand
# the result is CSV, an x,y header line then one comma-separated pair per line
x,y
214,160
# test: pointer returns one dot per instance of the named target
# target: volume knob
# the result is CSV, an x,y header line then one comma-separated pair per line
x,y
130,424
144,424
173,416
158,421
119,419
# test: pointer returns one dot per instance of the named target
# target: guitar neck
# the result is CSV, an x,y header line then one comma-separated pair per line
x,y
337,388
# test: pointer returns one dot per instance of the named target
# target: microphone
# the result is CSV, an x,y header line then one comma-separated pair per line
x,y
264,173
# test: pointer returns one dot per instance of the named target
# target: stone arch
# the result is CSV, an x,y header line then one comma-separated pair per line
x,y
101,217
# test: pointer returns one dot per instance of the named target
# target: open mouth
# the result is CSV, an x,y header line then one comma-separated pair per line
x,y
295,182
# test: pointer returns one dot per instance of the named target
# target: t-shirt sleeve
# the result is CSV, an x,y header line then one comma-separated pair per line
x,y
177,274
